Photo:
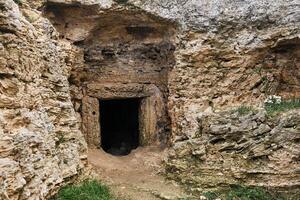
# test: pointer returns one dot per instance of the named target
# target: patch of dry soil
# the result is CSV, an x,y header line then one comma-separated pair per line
x,y
136,176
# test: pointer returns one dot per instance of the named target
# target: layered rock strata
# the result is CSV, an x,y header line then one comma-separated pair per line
x,y
41,147
200,56
253,149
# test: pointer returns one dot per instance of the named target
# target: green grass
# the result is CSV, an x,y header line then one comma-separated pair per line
x,y
238,192
87,190
244,110
211,195
61,140
274,108
250,193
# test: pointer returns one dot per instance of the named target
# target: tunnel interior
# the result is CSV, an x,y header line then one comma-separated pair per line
x,y
119,122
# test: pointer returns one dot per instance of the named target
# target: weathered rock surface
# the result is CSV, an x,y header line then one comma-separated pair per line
x,y
41,146
228,53
232,149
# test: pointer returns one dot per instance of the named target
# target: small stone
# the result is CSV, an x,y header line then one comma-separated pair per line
x,y
202,198
262,129
219,129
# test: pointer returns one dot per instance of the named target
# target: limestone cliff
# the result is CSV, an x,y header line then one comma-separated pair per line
x,y
41,146
188,56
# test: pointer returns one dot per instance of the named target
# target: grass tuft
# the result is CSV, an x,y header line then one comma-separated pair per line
x,y
211,195
87,190
244,110
61,140
238,192
274,108
249,193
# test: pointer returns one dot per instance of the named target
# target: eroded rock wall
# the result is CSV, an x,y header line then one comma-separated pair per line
x,y
228,53
253,149
41,147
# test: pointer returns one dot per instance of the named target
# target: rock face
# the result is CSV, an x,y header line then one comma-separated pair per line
x,y
41,146
233,149
183,58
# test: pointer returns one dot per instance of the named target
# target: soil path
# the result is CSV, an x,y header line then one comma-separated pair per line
x,y
136,176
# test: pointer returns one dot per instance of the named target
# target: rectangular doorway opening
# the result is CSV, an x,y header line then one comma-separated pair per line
x,y
119,122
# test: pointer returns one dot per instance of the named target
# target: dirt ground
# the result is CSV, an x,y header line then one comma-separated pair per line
x,y
135,176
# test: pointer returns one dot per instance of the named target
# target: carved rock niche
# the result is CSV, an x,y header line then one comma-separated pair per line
x,y
118,55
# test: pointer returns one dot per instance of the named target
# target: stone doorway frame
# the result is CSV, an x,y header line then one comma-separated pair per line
x,y
150,111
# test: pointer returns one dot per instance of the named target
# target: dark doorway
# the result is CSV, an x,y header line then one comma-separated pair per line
x,y
119,121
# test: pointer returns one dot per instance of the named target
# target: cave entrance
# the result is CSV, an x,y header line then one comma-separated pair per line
x,y
128,57
119,124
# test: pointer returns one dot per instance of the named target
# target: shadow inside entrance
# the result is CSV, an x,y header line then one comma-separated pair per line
x,y
119,122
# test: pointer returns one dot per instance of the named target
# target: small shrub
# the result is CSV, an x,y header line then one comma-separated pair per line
x,y
238,192
211,195
249,193
61,140
274,108
19,2
273,99
87,190
244,110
